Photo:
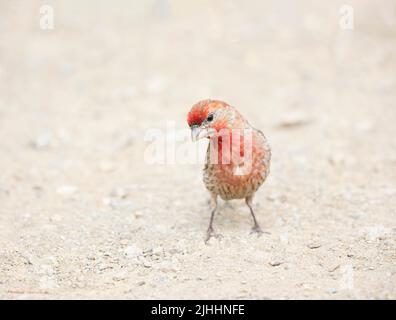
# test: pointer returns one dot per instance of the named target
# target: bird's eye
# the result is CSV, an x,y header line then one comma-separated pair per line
x,y
210,117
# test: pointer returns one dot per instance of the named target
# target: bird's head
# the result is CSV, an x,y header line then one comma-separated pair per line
x,y
207,117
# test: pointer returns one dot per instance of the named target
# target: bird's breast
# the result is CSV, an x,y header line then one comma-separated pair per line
x,y
237,177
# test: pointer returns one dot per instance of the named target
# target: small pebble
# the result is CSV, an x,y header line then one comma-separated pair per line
x,y
294,120
275,263
314,245
333,268
42,141
120,193
138,214
157,251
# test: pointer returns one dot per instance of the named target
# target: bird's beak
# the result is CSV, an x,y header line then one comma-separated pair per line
x,y
198,133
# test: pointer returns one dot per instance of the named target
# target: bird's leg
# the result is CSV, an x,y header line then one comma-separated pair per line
x,y
256,228
210,233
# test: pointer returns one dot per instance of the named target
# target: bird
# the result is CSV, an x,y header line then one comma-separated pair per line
x,y
237,159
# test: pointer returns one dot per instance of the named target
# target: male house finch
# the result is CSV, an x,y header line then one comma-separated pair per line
x,y
238,156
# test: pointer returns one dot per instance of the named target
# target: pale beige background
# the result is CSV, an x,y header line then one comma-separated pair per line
x,y
83,216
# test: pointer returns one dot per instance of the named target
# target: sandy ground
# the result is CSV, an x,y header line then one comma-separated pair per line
x,y
84,215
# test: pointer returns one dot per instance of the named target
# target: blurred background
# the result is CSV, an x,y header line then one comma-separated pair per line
x,y
83,215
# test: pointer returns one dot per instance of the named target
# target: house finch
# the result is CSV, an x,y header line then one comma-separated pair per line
x,y
238,156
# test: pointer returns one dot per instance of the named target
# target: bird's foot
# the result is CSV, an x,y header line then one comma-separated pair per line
x,y
258,231
211,234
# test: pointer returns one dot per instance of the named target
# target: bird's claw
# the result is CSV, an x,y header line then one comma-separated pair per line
x,y
211,234
257,230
